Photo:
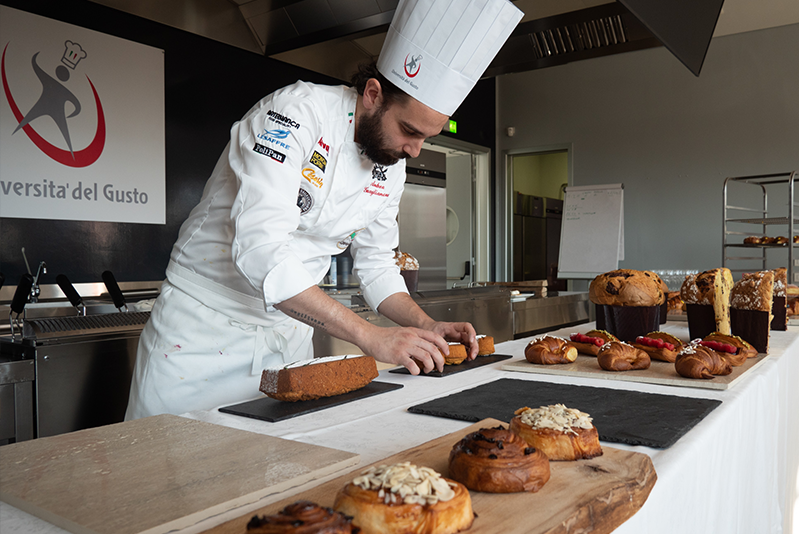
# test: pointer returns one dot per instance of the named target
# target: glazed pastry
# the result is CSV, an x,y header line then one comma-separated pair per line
x,y
753,240
590,342
550,350
619,356
765,240
780,240
406,499
698,361
559,432
496,460
457,353
303,517
485,345
659,345
732,348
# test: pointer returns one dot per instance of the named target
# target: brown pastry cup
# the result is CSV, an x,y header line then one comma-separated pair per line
x,y
701,320
628,322
664,312
752,326
411,280
779,309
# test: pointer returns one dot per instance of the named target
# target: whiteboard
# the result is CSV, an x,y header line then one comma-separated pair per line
x,y
592,233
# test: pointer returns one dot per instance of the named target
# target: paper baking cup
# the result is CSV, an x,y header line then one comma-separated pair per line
x,y
752,326
411,280
780,312
628,322
701,320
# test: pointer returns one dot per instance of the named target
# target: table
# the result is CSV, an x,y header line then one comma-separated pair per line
x,y
735,472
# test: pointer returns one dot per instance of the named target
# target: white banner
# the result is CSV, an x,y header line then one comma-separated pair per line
x,y
81,124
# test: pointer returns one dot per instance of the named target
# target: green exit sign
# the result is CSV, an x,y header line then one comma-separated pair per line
x,y
453,126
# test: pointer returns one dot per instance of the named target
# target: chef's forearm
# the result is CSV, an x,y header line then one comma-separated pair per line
x,y
404,311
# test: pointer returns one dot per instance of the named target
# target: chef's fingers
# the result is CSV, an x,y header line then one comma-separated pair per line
x,y
434,345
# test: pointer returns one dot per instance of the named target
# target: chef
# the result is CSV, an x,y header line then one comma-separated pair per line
x,y
310,171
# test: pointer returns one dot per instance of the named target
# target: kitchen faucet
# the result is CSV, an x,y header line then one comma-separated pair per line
x,y
42,269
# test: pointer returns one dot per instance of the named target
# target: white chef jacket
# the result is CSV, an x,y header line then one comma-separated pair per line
x,y
291,189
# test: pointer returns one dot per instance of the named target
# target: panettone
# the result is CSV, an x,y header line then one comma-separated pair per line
x,y
707,299
626,287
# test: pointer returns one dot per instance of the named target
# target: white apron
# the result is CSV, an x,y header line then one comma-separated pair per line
x,y
191,357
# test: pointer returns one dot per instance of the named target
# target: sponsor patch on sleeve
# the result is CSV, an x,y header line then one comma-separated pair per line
x,y
319,160
266,151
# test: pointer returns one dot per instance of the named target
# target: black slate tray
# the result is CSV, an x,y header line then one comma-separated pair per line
x,y
629,417
465,366
272,410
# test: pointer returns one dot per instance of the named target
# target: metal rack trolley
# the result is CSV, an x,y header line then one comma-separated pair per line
x,y
760,217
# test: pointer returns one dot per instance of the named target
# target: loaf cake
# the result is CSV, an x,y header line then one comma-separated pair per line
x,y
779,308
403,498
627,302
319,377
707,301
496,460
751,301
559,432
303,517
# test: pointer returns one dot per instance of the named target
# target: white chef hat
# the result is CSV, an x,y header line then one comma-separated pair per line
x,y
436,50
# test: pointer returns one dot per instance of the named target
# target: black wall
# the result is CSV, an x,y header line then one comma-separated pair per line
x,y
208,86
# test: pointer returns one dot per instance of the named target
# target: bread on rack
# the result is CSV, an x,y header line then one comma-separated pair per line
x,y
698,361
318,377
751,302
590,342
753,240
619,356
559,432
303,517
497,460
659,345
405,498
457,353
779,306
550,350
485,345
627,302
732,348
707,301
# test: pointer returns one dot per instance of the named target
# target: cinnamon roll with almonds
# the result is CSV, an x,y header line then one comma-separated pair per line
x,y
619,356
496,460
559,432
698,361
303,517
550,350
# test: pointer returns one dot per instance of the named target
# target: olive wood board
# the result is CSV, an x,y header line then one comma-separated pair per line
x,y
155,475
272,410
594,495
463,366
658,373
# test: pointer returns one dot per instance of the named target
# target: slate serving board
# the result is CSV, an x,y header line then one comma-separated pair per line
x,y
629,417
272,410
465,366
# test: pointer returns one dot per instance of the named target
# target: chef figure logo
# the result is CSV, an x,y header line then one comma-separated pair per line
x,y
379,173
412,65
52,103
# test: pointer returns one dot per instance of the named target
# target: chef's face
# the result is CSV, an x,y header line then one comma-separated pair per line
x,y
390,132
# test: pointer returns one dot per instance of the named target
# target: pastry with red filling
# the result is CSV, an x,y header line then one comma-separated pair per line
x,y
659,345
590,342
734,349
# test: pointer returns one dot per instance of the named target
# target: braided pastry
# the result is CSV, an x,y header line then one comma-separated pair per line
x,y
303,517
619,356
496,460
590,342
550,350
698,361
659,345
559,432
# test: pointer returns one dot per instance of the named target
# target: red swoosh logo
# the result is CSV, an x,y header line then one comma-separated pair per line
x,y
82,158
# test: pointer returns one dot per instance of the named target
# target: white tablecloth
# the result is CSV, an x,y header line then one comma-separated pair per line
x,y
735,472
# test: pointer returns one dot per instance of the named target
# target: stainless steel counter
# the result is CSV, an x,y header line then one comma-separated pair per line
x,y
535,315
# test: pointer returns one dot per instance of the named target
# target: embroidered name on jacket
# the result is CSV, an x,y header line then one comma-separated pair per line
x,y
266,151
375,189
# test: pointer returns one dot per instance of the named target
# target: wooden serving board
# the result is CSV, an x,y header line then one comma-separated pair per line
x,y
594,495
154,475
658,373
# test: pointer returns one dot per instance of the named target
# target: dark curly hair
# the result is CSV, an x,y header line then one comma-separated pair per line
x,y
391,93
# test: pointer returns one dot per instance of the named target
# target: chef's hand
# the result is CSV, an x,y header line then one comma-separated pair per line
x,y
459,333
416,349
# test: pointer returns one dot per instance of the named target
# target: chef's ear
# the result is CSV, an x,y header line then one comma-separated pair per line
x,y
372,95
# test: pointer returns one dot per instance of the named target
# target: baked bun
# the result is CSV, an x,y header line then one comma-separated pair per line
x,y
404,498
766,240
457,353
732,348
318,377
303,517
698,361
485,345
590,342
780,240
659,345
550,350
496,460
753,240
559,432
626,287
619,356
796,238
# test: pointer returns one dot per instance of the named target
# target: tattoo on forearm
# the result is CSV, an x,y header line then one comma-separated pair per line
x,y
307,319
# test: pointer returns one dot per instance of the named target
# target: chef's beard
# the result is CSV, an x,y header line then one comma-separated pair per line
x,y
372,139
